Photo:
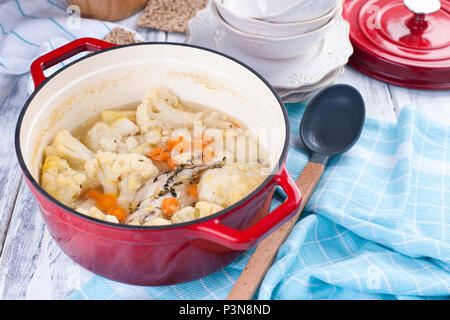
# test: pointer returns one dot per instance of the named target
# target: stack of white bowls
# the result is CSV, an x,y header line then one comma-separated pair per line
x,y
277,29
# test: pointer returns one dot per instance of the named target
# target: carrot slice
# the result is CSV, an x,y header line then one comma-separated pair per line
x,y
208,155
154,152
172,143
163,156
183,146
235,124
106,201
193,191
169,206
206,140
94,194
119,212
172,164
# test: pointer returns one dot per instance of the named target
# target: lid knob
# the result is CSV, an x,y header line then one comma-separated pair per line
x,y
417,24
422,6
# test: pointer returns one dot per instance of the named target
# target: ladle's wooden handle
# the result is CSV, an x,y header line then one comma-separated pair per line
x,y
256,268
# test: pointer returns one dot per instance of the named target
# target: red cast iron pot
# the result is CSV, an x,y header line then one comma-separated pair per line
x,y
114,76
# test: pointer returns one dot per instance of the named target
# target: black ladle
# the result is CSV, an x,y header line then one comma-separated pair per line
x,y
331,125
332,122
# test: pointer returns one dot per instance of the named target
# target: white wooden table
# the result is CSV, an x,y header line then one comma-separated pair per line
x,y
31,264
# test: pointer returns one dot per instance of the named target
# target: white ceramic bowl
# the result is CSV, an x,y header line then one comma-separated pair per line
x,y
281,10
271,29
259,8
273,47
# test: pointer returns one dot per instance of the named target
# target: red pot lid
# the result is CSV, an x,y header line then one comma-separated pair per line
x,y
406,43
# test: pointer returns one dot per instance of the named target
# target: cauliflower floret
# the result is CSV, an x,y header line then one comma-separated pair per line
x,y
202,209
69,148
229,184
94,212
185,214
99,137
61,181
131,143
122,173
124,127
180,158
206,209
142,148
161,107
153,137
157,222
85,203
217,120
113,137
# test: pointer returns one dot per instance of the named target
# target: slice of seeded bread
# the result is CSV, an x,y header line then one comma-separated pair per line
x,y
120,36
170,15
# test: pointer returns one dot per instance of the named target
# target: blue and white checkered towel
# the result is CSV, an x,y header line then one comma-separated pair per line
x,y
376,227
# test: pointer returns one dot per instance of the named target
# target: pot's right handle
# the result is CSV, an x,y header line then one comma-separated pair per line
x,y
234,239
62,53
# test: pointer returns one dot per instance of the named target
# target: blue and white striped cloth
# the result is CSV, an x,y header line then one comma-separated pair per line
x,y
30,28
376,227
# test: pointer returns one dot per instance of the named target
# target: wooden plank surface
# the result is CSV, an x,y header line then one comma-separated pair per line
x,y
434,104
12,96
31,264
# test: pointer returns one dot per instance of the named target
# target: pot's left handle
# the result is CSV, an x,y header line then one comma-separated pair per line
x,y
62,53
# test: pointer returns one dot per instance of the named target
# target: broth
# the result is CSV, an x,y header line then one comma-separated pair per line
x,y
155,162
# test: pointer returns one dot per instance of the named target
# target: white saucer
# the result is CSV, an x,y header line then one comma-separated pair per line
x,y
302,93
304,70
329,79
